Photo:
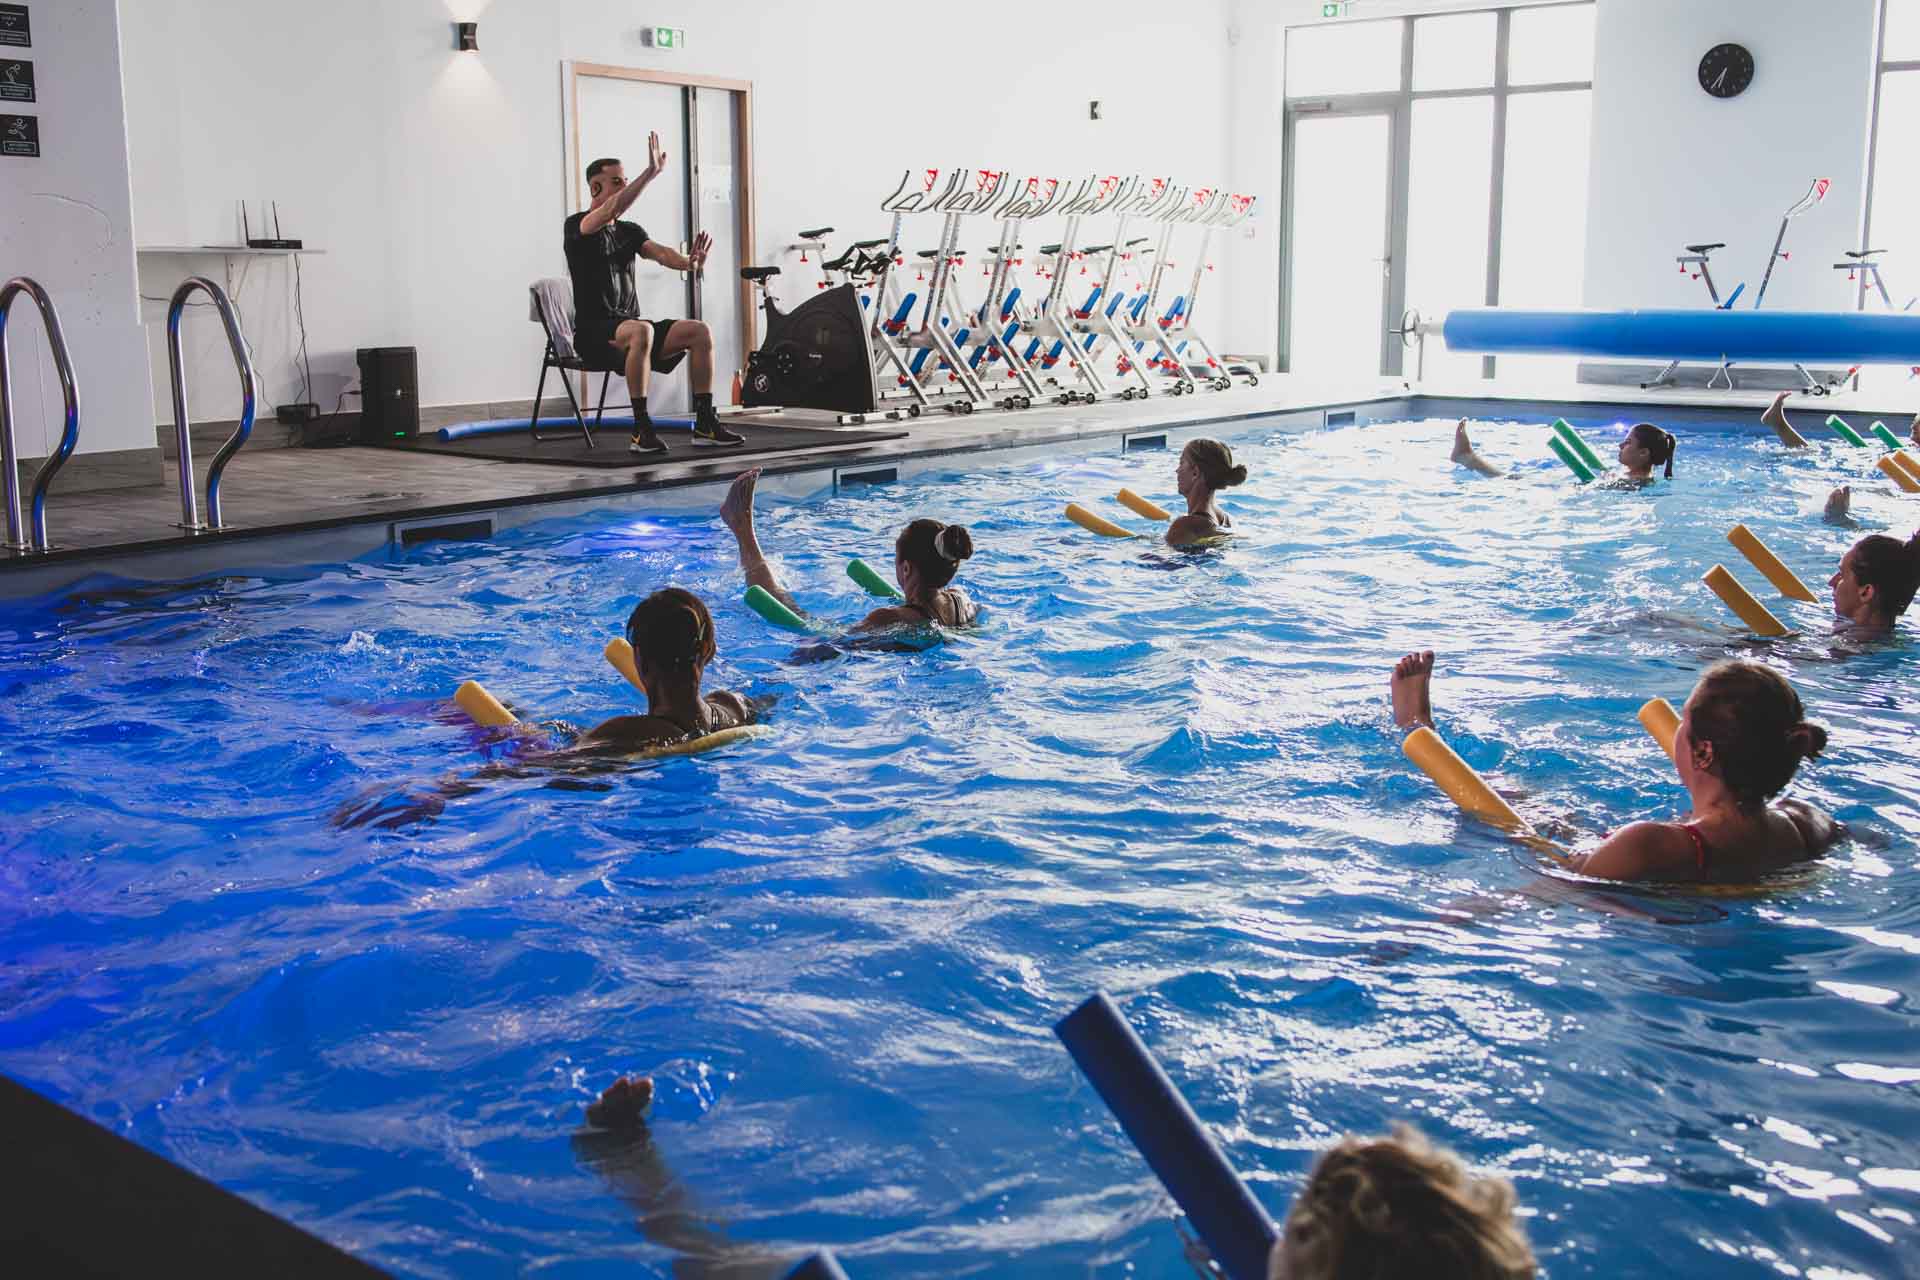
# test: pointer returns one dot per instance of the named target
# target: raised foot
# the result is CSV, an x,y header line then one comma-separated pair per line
x,y
1408,688
736,510
623,1105
1840,503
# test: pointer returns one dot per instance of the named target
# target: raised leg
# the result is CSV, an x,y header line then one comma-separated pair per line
x,y
1408,687
736,512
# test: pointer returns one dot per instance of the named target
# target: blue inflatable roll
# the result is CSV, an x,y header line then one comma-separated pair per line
x,y
1784,337
505,426
1237,1231
819,1266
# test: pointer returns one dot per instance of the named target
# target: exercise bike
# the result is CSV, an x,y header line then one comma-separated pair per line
x,y
813,357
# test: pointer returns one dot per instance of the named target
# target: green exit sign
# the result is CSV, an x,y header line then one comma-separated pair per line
x,y
1335,9
663,37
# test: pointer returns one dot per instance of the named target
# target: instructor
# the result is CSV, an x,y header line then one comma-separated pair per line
x,y
608,331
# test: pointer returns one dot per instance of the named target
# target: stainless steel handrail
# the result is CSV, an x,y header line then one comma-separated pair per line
x,y
182,429
16,539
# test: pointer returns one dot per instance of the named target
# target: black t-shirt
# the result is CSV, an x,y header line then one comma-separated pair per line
x,y
601,265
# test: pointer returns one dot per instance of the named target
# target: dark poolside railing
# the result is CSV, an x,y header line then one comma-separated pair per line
x,y
17,537
182,428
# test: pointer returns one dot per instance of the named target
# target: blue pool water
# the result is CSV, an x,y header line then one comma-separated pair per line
x,y
839,949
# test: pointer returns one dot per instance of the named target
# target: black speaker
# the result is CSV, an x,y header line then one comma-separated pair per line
x,y
389,394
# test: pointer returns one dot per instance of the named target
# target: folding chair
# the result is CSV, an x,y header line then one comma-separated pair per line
x,y
551,307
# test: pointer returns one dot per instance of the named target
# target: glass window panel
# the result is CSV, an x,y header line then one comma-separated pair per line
x,y
1448,190
1454,52
1902,43
1543,213
1344,57
1894,214
1337,315
1551,45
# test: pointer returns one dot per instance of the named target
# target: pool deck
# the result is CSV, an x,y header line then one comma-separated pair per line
x,y
280,493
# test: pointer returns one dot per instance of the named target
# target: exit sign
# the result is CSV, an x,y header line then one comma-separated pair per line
x,y
1336,9
663,37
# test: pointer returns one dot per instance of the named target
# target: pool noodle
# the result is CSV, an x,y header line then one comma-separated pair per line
x,y
1845,432
620,654
1456,777
1658,718
1564,429
481,707
1905,461
874,585
1695,333
1889,464
1885,436
768,606
1769,564
818,1266
507,426
1169,1136
1140,506
1095,524
1566,454
1736,598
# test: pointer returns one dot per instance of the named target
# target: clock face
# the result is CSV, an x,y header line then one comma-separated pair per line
x,y
1726,71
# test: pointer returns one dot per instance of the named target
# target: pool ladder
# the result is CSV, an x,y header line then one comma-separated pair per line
x,y
182,429
17,537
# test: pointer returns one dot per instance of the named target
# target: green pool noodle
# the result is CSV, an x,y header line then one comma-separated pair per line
x,y
872,583
1885,436
764,603
1565,431
1845,432
1565,453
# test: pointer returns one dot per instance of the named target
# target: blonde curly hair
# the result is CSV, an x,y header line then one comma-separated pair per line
x,y
1394,1207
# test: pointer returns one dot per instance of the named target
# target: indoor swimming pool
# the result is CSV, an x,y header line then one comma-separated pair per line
x,y
246,921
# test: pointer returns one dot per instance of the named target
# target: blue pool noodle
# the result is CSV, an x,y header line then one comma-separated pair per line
x,y
1785,337
1236,1230
819,1266
506,426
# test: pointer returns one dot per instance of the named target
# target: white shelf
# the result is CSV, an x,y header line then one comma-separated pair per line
x,y
220,250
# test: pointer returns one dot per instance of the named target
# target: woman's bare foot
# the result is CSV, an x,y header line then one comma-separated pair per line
x,y
1464,455
623,1105
1409,690
736,511
1840,505
1776,417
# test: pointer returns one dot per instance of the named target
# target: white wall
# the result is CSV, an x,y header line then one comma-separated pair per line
x,y
66,220
436,180
1673,166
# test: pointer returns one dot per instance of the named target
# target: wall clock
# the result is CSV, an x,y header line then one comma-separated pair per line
x,y
1726,70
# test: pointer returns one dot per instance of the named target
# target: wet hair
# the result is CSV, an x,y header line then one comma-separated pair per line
x,y
1660,444
1385,1208
671,630
1214,461
1891,567
935,549
1757,727
605,162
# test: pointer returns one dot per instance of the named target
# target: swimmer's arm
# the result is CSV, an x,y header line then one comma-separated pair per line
x,y
1817,827
1189,529
1637,851
730,710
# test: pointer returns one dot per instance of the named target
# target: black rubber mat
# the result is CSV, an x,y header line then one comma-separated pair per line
x,y
610,445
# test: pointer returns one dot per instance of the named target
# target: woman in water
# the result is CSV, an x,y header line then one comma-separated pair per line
x,y
672,637
1876,582
1206,467
1741,737
926,556
1645,448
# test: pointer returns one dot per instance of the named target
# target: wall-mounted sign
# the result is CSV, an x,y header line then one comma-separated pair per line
x,y
15,27
663,37
19,135
16,80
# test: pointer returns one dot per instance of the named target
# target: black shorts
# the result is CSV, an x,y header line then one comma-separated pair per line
x,y
597,349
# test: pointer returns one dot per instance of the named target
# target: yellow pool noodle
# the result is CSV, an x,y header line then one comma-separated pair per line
x,y
1905,461
1659,718
482,707
1134,502
1898,474
620,654
1736,598
1456,777
1095,524
706,742
1769,564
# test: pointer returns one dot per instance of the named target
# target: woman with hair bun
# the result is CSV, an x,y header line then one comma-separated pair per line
x,y
1876,582
672,637
1646,447
926,556
1742,736
1206,467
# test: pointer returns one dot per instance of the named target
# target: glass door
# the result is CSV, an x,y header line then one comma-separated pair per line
x,y
1339,236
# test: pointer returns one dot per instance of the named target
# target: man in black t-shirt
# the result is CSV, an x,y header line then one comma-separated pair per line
x,y
608,331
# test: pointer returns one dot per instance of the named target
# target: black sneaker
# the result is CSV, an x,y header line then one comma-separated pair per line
x,y
649,445
711,433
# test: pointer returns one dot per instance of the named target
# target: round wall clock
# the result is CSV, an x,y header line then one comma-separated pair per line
x,y
1726,70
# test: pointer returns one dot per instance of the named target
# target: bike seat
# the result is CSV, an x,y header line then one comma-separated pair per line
x,y
1864,254
869,244
1705,248
927,253
1141,240
816,233
1049,248
758,273
1096,248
